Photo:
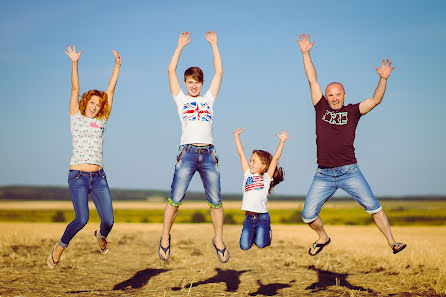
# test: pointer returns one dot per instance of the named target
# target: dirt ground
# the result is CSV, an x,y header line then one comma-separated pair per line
x,y
358,262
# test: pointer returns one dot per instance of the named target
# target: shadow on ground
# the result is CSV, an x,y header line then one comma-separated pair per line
x,y
271,289
230,277
328,278
140,279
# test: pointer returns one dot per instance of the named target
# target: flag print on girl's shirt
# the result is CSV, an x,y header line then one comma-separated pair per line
x,y
254,182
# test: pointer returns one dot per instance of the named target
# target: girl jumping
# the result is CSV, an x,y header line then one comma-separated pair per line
x,y
261,174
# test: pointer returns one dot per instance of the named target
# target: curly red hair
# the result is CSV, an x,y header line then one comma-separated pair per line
x,y
104,112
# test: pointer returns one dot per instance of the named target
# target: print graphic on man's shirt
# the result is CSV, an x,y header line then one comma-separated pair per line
x,y
254,183
193,111
335,118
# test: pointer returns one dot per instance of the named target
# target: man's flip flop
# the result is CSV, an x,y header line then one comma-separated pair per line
x,y
398,244
50,260
318,245
220,251
165,249
107,246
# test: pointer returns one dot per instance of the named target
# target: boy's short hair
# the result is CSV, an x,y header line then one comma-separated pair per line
x,y
195,73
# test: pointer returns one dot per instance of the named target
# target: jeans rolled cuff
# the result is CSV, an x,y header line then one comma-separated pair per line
x,y
375,210
308,221
215,206
173,203
64,245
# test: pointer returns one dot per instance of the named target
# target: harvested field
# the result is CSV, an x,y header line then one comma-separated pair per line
x,y
357,263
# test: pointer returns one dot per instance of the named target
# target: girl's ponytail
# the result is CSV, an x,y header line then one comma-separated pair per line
x,y
278,177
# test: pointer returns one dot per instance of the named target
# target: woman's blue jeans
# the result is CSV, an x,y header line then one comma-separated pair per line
x,y
256,229
81,184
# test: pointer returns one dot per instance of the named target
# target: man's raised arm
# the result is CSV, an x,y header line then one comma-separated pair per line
x,y
310,71
370,103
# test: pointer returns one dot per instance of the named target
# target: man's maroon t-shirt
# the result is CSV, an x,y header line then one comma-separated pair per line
x,y
335,134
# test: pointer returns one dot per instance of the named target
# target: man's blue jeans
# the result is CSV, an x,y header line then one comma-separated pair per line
x,y
81,184
256,229
325,183
190,159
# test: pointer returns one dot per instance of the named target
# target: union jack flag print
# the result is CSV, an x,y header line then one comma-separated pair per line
x,y
254,183
194,111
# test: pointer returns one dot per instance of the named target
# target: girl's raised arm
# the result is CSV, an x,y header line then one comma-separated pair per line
x,y
282,138
74,57
113,80
241,152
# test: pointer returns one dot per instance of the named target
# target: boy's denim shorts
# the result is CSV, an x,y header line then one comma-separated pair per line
x,y
191,158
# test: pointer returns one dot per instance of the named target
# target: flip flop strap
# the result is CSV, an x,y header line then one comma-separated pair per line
x,y
165,249
221,251
315,245
52,258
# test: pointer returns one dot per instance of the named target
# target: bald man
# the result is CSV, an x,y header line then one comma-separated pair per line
x,y
337,165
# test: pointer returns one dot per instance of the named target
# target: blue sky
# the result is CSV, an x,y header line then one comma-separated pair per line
x,y
400,145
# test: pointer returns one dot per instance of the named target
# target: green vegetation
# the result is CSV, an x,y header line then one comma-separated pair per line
x,y
413,214
38,193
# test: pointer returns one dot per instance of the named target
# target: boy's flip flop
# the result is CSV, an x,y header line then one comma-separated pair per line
x,y
401,246
318,245
165,249
50,260
107,246
222,251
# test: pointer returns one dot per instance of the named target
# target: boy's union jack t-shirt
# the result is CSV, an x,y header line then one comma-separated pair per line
x,y
255,192
196,116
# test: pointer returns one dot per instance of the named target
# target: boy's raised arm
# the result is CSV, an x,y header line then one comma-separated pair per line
x,y
310,71
211,37
173,79
241,152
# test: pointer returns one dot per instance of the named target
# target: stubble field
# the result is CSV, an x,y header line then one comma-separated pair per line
x,y
358,262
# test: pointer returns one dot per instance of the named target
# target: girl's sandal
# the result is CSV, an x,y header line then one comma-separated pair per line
x,y
50,260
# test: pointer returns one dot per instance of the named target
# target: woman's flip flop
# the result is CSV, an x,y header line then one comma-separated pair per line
x,y
50,260
107,245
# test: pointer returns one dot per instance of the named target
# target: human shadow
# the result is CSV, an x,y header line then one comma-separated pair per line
x,y
328,278
271,289
230,277
140,279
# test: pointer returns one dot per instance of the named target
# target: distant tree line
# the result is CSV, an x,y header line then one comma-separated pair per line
x,y
62,193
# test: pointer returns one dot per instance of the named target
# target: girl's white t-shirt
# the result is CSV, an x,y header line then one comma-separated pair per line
x,y
255,192
196,116
88,137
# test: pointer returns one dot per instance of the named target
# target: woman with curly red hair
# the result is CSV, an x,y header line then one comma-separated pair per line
x,y
88,118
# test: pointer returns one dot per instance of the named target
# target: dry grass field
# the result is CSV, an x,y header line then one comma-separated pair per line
x,y
357,263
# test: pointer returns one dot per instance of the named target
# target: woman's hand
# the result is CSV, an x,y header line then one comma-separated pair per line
x,y
71,53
